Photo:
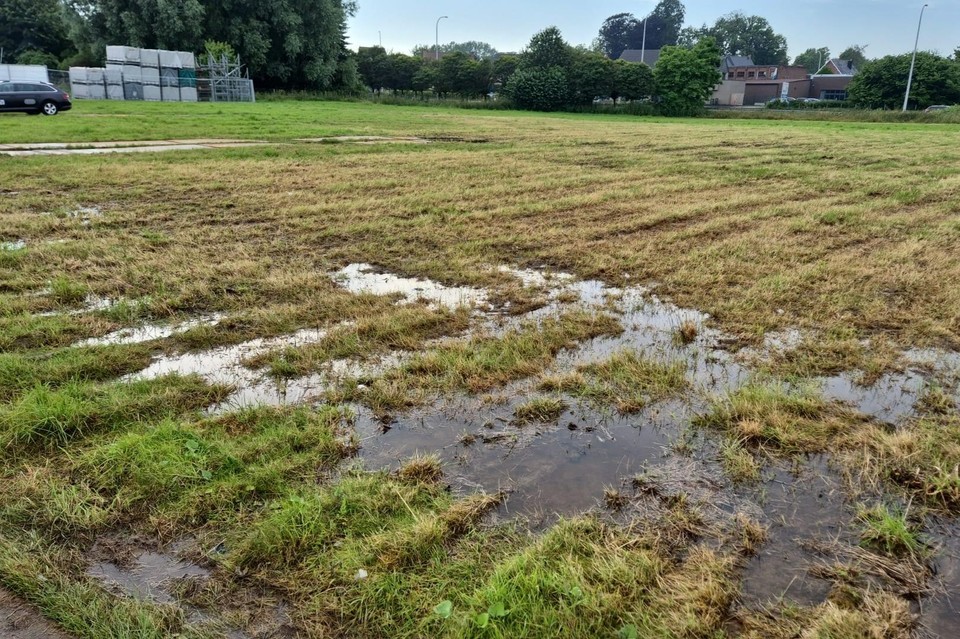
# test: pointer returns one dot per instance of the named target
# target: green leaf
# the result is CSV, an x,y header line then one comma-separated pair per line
x,y
629,631
482,620
206,474
444,609
498,610
193,445
576,593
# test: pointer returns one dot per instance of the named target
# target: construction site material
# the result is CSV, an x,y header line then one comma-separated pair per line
x,y
160,75
25,72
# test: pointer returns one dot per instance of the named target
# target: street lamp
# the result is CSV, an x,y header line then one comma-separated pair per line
x,y
643,50
913,62
438,34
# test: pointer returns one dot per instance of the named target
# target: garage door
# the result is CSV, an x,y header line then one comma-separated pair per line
x,y
759,93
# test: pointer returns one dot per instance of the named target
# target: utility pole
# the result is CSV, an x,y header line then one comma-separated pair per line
x,y
438,34
643,50
913,62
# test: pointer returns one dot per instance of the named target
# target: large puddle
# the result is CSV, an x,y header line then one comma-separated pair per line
x,y
564,466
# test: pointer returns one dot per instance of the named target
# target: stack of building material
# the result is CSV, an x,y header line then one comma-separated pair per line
x,y
169,76
113,81
188,76
150,70
24,72
78,83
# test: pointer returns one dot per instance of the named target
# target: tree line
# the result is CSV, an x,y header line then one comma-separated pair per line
x,y
291,44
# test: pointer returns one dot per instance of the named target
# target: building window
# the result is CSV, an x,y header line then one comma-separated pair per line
x,y
740,74
749,75
762,74
834,94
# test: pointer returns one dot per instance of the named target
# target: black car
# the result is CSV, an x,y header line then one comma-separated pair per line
x,y
33,98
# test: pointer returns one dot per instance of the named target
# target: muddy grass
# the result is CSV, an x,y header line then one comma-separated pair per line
x,y
501,397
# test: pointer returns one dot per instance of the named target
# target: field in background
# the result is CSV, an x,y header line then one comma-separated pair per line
x,y
728,340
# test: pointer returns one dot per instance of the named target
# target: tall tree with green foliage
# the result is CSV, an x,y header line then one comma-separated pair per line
x,y
631,81
812,59
374,67
881,84
625,31
856,54
616,34
686,77
152,24
591,76
740,34
542,79
37,26
294,44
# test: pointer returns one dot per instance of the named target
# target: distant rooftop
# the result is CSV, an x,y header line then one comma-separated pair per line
x,y
731,61
836,66
650,56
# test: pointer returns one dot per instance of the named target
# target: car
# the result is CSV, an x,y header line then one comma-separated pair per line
x,y
936,107
809,100
33,98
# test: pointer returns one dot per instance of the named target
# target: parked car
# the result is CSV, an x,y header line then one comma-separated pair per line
x,y
33,98
809,100
936,107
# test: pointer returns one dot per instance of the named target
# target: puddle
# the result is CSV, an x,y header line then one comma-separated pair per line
x,y
364,278
225,365
149,576
14,245
796,509
91,304
149,332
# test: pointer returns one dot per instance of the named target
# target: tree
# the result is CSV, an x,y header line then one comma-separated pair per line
x,y
539,89
479,50
812,59
956,54
32,25
882,83
685,78
591,76
504,67
667,20
625,31
631,81
293,44
740,34
856,54
152,24
374,67
616,33
401,70
547,50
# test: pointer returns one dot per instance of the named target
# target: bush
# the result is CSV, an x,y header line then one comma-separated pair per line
x,y
539,89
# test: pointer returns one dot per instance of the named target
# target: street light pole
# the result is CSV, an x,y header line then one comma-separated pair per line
x,y
643,51
913,62
438,34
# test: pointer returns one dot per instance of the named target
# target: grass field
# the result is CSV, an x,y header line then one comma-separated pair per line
x,y
642,332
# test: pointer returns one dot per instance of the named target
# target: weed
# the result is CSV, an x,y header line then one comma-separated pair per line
x,y
542,410
890,532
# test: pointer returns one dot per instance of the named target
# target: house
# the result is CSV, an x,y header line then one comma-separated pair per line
x,y
832,80
748,84
649,56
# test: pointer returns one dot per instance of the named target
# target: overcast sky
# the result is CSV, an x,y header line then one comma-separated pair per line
x,y
888,26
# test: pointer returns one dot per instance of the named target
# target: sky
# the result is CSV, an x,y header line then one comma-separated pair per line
x,y
887,26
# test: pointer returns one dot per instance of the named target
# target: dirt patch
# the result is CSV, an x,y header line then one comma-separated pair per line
x,y
96,148
19,620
